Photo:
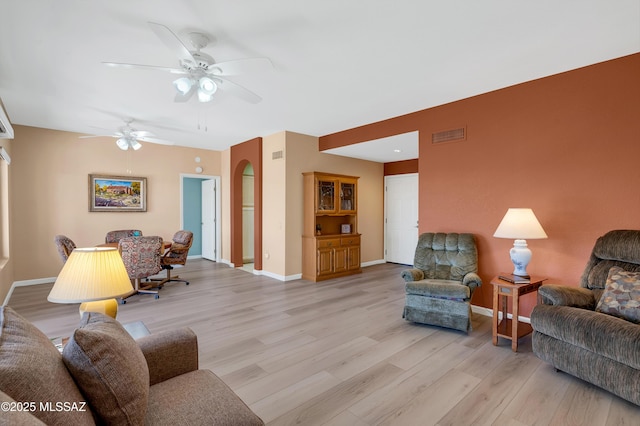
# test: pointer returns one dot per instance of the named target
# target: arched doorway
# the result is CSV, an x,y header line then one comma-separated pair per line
x,y
242,155
248,217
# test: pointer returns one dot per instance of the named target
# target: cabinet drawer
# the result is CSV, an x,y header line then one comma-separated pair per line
x,y
328,243
350,241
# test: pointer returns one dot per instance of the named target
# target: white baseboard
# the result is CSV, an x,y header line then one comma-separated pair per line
x,y
280,277
26,283
488,312
372,262
227,262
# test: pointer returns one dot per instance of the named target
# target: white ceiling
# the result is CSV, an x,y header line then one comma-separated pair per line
x,y
337,64
394,148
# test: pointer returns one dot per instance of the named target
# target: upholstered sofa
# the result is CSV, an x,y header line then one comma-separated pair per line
x,y
593,331
104,376
439,287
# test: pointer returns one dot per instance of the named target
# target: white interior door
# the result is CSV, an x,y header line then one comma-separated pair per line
x,y
401,218
209,219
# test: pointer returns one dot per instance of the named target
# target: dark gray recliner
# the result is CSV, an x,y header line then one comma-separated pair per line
x,y
570,334
443,278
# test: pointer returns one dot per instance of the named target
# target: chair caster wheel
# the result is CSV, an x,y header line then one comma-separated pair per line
x,y
186,283
122,302
157,296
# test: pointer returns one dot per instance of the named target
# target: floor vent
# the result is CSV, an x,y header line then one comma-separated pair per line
x,y
449,135
276,155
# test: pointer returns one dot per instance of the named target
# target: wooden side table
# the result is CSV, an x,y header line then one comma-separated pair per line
x,y
511,328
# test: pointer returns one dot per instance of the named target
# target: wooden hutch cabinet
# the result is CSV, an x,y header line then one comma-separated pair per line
x,y
330,240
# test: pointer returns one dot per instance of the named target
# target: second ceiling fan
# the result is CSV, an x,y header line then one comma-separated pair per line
x,y
199,73
129,138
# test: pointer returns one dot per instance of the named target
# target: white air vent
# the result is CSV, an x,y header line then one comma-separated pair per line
x,y
449,135
276,155
6,131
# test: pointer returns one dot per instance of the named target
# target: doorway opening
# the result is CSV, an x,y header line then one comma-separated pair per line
x,y
248,215
199,213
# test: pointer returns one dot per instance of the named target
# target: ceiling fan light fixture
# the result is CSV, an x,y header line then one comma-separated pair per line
x,y
183,85
135,144
207,85
206,88
203,97
123,144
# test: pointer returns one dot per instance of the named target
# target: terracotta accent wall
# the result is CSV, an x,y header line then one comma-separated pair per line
x,y
241,155
566,146
401,167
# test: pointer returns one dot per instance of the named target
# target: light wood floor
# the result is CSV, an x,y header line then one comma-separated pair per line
x,y
339,353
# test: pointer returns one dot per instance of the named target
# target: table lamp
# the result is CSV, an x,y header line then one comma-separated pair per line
x,y
93,277
520,224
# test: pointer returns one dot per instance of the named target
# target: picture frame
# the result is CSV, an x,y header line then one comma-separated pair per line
x,y
109,193
345,228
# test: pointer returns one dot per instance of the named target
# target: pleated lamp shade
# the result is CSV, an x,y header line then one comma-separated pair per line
x,y
520,224
91,274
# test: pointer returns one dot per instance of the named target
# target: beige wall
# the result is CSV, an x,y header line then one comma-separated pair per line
x,y
225,205
274,208
301,155
6,263
50,196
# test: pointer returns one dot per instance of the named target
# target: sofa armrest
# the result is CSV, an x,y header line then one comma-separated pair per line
x,y
170,353
578,297
472,280
412,274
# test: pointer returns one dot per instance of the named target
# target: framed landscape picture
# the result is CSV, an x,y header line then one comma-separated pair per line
x,y
117,193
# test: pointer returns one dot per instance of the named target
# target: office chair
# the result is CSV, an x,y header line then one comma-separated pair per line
x,y
141,257
65,246
177,255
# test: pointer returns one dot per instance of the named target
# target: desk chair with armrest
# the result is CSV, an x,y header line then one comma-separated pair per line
x,y
65,246
177,255
116,236
141,257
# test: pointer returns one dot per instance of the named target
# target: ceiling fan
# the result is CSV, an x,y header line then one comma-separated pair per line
x,y
200,73
128,137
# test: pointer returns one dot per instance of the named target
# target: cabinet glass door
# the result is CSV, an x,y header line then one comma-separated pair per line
x,y
347,196
326,195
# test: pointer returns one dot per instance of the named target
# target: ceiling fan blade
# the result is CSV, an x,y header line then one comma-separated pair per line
x,y
237,90
155,140
172,41
95,136
241,66
141,134
146,67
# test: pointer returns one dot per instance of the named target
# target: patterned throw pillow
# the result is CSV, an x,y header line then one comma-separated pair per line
x,y
621,297
110,369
